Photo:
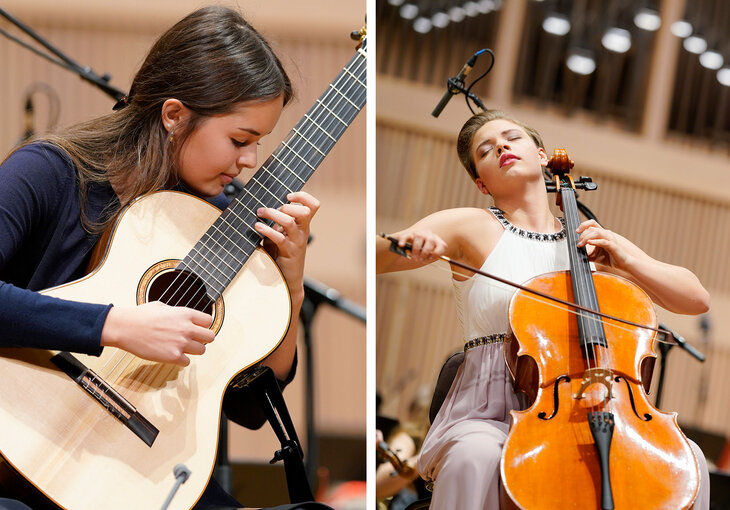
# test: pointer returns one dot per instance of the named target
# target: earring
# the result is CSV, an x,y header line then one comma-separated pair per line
x,y
171,138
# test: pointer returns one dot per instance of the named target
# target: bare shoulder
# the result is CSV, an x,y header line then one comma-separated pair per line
x,y
480,232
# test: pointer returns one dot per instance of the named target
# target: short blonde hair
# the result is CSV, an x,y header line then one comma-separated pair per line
x,y
470,128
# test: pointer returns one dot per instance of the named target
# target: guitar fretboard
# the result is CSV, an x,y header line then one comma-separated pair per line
x,y
230,241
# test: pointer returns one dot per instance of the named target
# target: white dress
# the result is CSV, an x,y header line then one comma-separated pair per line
x,y
462,450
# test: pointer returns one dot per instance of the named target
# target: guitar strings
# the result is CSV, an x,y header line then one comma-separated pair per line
x,y
334,90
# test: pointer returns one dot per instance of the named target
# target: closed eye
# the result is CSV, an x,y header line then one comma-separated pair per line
x,y
245,143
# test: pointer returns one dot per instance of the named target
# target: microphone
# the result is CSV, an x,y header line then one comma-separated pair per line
x,y
451,85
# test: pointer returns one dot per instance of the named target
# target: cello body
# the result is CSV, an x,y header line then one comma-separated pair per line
x,y
552,463
590,438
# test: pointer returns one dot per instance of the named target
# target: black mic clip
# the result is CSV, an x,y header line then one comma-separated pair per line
x,y
456,84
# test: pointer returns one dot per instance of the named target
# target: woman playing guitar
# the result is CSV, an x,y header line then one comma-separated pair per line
x,y
207,92
517,239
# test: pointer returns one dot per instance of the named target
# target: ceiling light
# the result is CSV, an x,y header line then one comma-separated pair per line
x,y
396,3
711,60
440,19
681,28
457,14
422,25
486,6
723,76
581,61
556,24
408,11
647,19
471,9
617,40
695,44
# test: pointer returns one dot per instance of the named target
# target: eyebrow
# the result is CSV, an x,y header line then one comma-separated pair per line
x,y
503,133
252,131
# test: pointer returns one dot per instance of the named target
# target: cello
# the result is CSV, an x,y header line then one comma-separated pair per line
x,y
590,438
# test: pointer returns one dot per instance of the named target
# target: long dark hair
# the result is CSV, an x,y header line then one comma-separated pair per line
x,y
211,61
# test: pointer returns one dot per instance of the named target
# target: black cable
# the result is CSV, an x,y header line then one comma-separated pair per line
x,y
468,95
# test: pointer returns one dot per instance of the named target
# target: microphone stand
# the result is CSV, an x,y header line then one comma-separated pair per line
x,y
664,352
86,73
316,293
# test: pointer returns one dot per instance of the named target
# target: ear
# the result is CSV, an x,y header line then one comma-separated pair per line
x,y
482,187
174,114
543,156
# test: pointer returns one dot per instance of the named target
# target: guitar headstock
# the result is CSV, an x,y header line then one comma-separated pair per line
x,y
360,36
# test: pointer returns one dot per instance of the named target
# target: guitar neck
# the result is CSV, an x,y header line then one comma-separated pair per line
x,y
228,243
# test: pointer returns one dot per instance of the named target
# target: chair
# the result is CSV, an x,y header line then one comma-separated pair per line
x,y
443,385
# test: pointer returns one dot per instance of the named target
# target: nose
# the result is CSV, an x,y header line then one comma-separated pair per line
x,y
247,157
502,146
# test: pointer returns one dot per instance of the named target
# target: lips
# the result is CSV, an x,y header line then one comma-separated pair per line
x,y
506,158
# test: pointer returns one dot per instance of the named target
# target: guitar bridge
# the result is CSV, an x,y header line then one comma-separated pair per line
x,y
108,397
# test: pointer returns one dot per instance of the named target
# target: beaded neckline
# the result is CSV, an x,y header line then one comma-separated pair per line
x,y
535,236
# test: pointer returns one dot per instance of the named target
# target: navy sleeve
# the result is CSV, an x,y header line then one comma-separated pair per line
x,y
30,319
35,186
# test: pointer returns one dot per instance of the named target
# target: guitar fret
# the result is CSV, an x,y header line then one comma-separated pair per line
x,y
287,167
233,256
332,113
206,271
355,77
277,180
267,190
255,197
308,141
233,211
344,96
321,128
298,155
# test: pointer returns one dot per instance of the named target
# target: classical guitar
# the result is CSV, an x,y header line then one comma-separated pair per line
x,y
106,432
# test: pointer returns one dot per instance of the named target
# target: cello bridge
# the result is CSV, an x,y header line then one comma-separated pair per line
x,y
596,376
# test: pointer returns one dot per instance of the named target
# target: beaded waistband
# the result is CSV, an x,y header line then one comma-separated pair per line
x,y
484,340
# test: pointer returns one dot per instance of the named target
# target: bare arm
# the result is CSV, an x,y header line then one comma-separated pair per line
x,y
449,232
673,287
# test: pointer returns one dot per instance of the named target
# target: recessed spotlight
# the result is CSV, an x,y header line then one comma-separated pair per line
x,y
695,44
556,24
617,40
581,62
409,11
647,19
422,25
681,28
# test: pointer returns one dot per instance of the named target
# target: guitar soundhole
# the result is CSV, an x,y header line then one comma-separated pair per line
x,y
180,288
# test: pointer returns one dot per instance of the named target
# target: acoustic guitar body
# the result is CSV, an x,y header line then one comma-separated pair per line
x,y
77,452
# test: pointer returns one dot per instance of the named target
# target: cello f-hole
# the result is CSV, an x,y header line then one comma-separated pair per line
x,y
556,398
647,416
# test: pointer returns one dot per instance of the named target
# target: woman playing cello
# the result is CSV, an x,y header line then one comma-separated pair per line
x,y
516,239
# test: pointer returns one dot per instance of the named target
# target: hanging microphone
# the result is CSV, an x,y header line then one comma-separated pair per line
x,y
451,89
